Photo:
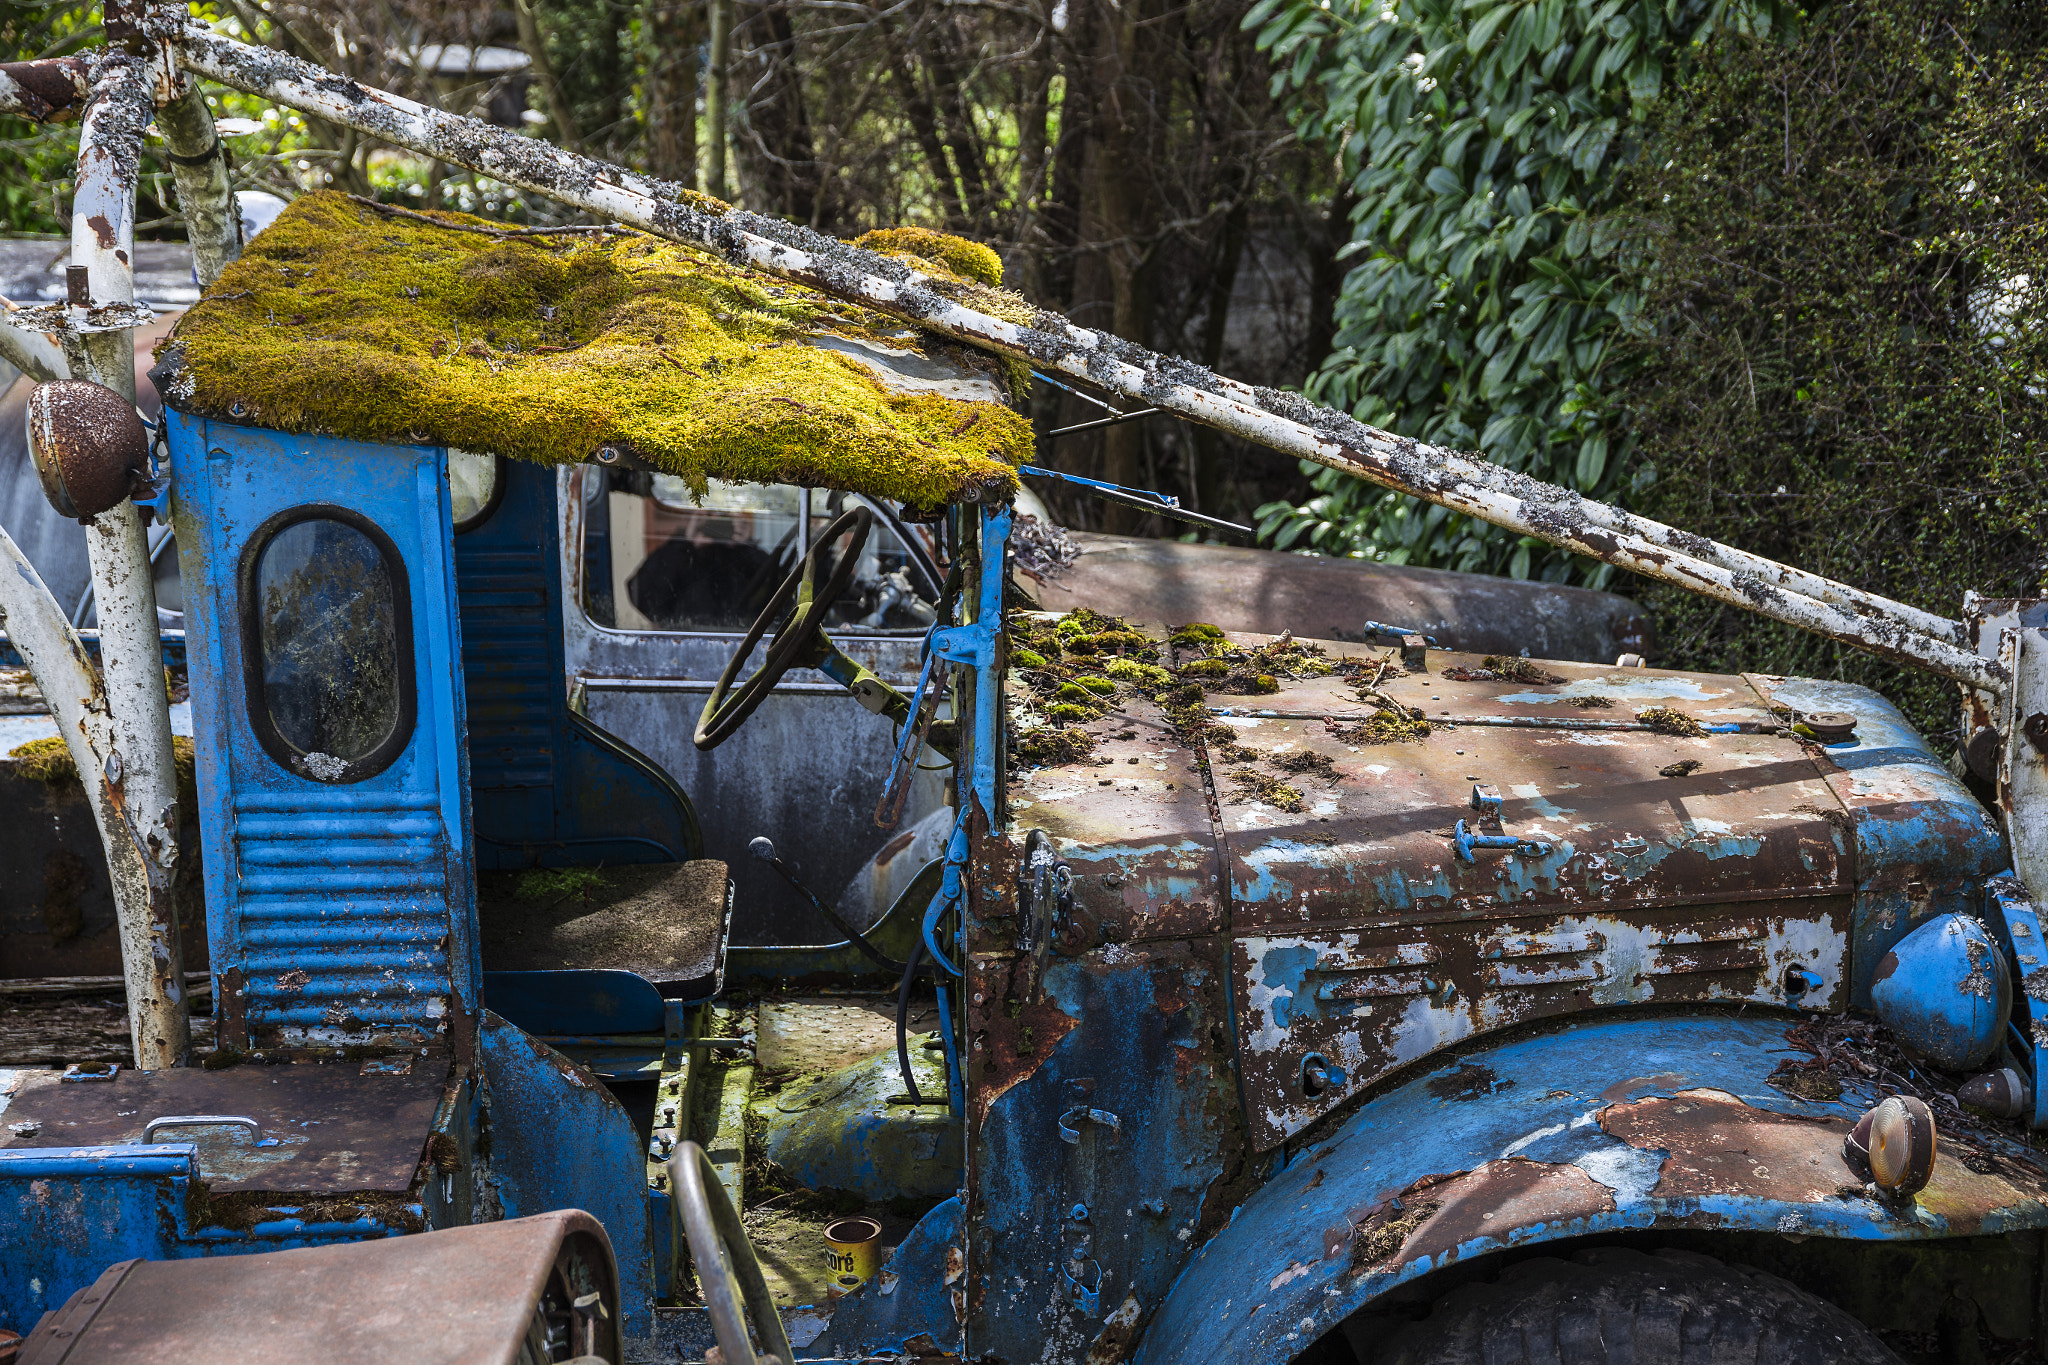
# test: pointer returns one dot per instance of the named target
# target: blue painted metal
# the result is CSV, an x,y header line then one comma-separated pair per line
x,y
576,1002
1283,1272
914,1295
551,788
1120,1061
558,1140
1946,991
173,642
1466,841
333,912
1382,628
1924,845
69,1212
2016,921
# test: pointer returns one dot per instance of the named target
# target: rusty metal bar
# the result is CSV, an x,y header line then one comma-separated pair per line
x,y
1281,421
48,91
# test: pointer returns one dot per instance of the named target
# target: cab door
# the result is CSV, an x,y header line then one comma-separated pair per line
x,y
326,666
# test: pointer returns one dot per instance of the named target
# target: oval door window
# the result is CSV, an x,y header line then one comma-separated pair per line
x,y
329,645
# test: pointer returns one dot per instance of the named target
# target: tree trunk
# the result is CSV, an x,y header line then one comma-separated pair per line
x,y
534,43
674,29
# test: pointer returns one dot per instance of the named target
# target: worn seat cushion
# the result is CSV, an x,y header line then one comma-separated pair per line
x,y
664,921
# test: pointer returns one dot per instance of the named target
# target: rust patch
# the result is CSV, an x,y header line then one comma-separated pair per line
x,y
1491,1199
1468,1082
1119,1331
1011,1039
103,231
1621,1090
1719,1145
48,91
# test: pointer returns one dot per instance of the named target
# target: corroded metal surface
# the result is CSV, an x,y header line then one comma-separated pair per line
x,y
1169,583
331,1129
1133,824
1671,868
469,1294
1601,1126
46,91
88,445
1924,846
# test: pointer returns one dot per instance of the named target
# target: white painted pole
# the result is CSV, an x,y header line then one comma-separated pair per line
x,y
136,769
1281,421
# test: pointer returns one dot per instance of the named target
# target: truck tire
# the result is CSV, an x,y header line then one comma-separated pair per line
x,y
1619,1306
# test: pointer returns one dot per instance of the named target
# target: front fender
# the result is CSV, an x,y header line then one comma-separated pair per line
x,y
1603,1126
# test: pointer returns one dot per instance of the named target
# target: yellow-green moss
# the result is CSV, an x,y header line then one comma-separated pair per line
x,y
341,319
1665,721
1251,785
1100,686
45,760
968,260
1131,671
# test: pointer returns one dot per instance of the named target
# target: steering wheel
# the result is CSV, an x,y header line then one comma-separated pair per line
x,y
727,1269
801,639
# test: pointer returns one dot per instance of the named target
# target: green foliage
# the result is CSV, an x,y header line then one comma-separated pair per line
x,y
1846,341
1481,138
40,159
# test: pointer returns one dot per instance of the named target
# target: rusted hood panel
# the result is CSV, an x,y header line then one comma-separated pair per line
x,y
1170,583
1374,840
1655,868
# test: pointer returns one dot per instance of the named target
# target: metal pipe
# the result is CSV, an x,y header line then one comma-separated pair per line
x,y
1281,421
199,168
72,689
33,353
136,765
47,91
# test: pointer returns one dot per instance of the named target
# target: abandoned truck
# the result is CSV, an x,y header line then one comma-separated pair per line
x,y
1291,999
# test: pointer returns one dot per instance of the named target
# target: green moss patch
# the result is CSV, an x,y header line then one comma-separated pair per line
x,y
1665,721
342,318
956,255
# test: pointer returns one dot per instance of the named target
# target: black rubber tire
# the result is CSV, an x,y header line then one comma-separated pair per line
x,y
1620,1306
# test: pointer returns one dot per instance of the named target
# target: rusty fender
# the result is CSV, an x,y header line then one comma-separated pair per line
x,y
1606,1126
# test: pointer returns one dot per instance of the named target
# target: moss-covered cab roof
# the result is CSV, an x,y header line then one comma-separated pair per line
x,y
387,325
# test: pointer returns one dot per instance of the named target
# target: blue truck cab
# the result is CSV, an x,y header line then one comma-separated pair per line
x,y
1291,999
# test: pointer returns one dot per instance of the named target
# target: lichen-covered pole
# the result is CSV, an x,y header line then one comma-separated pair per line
x,y
136,770
1281,421
199,168
36,626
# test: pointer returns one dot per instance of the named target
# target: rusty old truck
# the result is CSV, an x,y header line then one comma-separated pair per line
x,y
1225,995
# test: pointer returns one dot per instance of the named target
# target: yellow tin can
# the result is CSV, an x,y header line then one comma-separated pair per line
x,y
853,1252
